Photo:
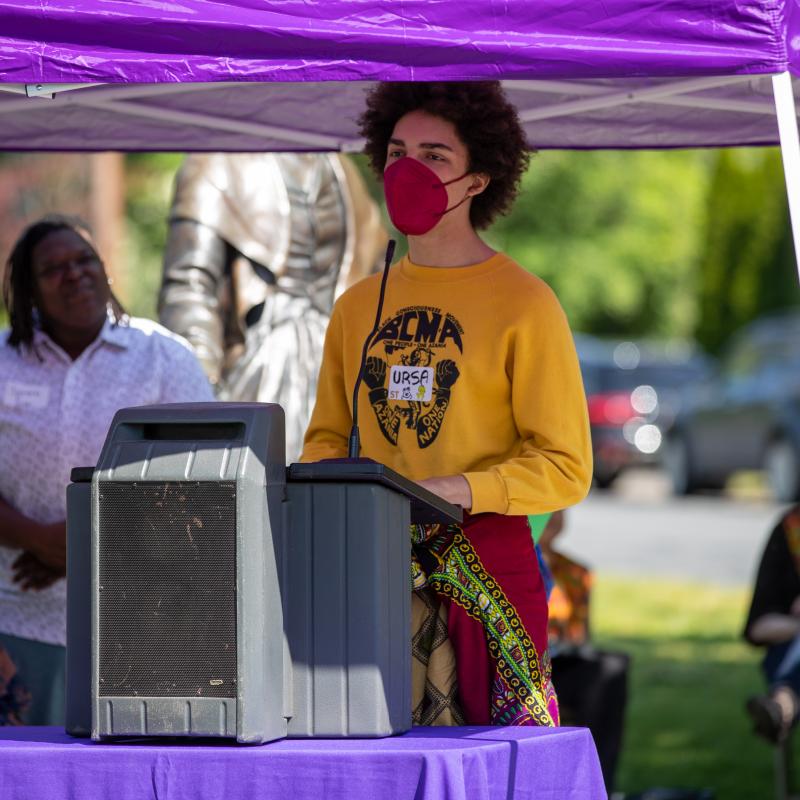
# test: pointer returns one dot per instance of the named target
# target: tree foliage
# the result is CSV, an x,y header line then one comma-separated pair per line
x,y
147,203
654,243
746,265
615,234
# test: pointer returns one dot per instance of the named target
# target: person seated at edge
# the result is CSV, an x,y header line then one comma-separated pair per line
x,y
773,622
69,361
473,390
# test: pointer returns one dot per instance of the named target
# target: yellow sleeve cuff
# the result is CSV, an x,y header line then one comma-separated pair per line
x,y
488,492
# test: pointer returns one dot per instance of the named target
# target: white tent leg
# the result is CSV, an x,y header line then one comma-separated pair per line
x,y
790,151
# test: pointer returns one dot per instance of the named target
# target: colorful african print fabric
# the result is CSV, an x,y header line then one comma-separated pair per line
x,y
444,560
434,687
568,619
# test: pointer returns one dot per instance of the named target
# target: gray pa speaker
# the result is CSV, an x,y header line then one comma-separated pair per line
x,y
185,606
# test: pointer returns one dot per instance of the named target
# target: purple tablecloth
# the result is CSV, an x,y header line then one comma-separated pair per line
x,y
424,764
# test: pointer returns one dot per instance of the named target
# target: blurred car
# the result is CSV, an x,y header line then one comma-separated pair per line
x,y
633,392
745,417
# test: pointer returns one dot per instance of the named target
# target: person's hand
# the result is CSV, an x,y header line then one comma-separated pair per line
x,y
30,573
453,488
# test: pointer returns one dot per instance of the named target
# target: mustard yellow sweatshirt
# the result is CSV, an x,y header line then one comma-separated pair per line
x,y
473,371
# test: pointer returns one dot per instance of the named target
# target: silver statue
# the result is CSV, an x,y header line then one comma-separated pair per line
x,y
259,247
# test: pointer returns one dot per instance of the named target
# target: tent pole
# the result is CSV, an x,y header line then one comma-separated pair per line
x,y
790,151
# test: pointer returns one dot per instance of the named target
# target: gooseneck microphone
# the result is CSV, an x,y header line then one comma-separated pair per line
x,y
354,446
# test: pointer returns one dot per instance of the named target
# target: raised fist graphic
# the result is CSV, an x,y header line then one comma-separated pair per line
x,y
374,372
446,373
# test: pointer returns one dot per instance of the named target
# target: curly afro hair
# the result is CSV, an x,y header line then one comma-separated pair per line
x,y
484,120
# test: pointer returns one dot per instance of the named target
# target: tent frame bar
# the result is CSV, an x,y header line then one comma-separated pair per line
x,y
44,90
612,99
126,92
790,151
216,123
679,100
117,99
588,97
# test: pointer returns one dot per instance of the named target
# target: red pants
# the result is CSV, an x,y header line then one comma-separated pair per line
x,y
505,548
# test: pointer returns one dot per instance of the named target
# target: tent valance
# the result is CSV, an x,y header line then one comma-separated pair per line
x,y
245,75
191,41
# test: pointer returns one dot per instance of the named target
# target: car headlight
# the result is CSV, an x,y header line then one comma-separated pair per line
x,y
647,439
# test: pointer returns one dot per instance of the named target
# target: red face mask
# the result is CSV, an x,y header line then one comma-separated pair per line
x,y
415,196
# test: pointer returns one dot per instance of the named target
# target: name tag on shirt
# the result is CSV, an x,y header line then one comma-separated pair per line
x,y
25,395
414,384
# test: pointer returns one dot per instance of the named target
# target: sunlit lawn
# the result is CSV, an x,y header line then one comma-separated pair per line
x,y
691,672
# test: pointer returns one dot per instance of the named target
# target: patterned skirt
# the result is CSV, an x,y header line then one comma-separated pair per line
x,y
479,625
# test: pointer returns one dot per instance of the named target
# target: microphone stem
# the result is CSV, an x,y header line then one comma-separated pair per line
x,y
354,444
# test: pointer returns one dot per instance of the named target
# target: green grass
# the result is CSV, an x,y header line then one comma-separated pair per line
x,y
691,673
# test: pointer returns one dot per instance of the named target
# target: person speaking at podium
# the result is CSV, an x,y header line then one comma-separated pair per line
x,y
472,389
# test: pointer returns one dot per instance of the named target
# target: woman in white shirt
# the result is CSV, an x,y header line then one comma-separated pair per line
x,y
69,361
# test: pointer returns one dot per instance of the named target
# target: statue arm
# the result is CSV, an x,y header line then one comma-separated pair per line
x,y
192,291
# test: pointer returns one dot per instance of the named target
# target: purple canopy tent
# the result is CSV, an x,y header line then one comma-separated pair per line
x,y
289,75
243,75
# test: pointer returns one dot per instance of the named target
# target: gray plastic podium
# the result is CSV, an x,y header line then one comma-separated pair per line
x,y
213,592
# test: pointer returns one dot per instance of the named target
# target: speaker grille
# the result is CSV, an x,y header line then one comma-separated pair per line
x,y
167,589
